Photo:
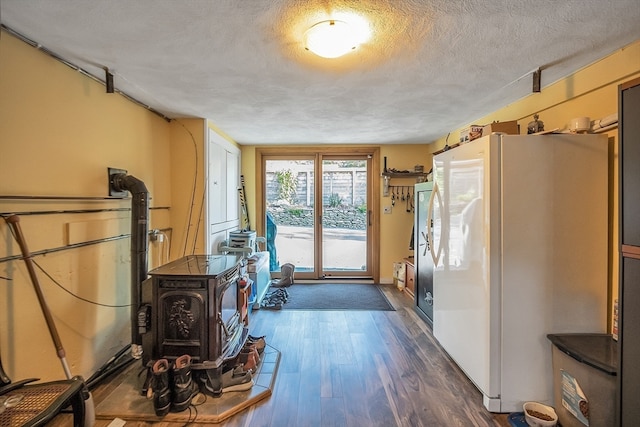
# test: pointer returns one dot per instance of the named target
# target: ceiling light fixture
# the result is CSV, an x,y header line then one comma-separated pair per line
x,y
331,39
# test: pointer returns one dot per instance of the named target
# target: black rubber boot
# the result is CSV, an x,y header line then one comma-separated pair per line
x,y
160,387
184,388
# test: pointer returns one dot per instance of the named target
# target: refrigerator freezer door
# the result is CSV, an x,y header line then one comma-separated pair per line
x,y
462,320
554,253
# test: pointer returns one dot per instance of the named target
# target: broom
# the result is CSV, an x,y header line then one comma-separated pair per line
x,y
243,204
14,223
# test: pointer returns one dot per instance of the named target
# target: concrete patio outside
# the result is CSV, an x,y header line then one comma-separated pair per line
x,y
345,249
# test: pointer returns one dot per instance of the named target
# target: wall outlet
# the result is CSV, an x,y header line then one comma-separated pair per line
x,y
387,209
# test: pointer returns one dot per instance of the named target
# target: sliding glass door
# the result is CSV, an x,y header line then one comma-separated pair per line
x,y
322,226
344,216
290,212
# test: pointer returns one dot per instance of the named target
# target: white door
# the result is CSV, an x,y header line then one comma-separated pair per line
x,y
222,213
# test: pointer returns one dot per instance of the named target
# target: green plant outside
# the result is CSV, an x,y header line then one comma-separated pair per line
x,y
295,212
335,200
287,184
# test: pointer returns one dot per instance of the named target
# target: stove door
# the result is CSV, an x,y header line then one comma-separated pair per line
x,y
182,324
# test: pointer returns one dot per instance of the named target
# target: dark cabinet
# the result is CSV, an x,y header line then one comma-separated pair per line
x,y
628,402
629,342
629,132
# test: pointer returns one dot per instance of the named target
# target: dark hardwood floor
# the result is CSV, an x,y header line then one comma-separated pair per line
x,y
360,368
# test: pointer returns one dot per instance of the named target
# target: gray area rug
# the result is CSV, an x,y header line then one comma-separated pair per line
x,y
336,296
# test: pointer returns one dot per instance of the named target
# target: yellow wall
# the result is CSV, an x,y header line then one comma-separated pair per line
x,y
396,228
592,91
188,163
60,133
248,170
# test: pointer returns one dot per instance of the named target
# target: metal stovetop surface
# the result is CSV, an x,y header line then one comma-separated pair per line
x,y
198,265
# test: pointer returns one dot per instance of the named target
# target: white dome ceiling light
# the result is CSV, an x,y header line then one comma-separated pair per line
x,y
332,38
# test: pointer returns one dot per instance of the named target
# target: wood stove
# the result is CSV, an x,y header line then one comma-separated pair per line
x,y
191,306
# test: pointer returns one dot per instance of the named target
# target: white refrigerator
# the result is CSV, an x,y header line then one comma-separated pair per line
x,y
519,243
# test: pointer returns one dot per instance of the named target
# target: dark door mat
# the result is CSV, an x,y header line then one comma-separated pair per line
x,y
336,296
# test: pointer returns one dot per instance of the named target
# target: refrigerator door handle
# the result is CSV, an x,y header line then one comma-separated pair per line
x,y
435,255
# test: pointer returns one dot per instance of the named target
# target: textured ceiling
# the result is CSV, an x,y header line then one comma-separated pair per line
x,y
432,65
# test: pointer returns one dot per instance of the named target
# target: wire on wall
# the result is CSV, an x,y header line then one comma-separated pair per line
x,y
67,247
200,212
193,195
65,211
59,285
78,296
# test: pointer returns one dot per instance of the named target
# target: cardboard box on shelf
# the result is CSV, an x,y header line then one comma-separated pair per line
x,y
510,128
470,133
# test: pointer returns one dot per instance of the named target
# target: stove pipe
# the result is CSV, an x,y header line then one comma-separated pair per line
x,y
139,246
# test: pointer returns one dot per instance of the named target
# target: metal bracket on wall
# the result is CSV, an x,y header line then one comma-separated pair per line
x,y
112,190
537,74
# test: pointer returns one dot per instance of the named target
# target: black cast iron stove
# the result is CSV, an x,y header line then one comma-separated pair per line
x,y
191,306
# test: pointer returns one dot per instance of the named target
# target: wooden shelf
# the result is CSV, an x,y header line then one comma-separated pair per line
x,y
387,176
404,174
446,148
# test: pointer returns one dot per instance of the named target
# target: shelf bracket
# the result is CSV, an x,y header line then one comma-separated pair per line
x,y
537,74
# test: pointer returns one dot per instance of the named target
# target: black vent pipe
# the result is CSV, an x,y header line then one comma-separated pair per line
x,y
139,246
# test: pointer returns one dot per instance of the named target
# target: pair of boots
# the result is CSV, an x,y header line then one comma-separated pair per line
x,y
249,359
249,356
172,385
286,276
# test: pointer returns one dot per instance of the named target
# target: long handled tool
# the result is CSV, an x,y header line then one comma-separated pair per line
x,y
14,223
243,203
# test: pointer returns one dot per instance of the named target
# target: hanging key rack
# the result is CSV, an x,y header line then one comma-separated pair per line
x,y
387,176
403,195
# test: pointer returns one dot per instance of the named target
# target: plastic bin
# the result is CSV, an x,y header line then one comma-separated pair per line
x,y
399,275
585,367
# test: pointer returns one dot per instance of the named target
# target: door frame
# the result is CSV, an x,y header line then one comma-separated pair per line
x,y
373,207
